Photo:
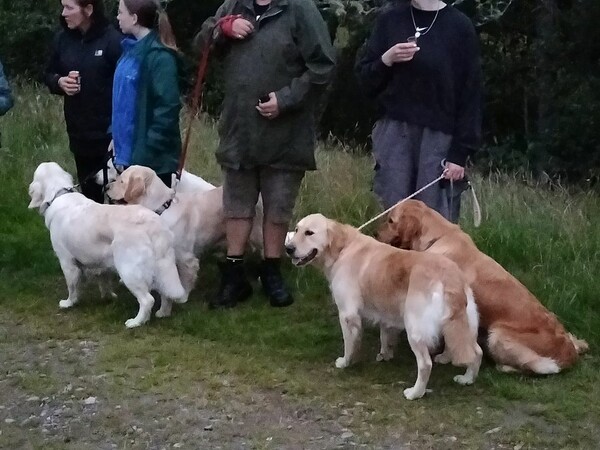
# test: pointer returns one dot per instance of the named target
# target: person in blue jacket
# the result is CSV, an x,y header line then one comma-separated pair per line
x,y
6,99
146,96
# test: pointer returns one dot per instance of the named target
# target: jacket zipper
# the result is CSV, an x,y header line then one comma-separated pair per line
x,y
268,14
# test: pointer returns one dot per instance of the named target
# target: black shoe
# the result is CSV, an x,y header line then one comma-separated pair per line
x,y
234,286
273,285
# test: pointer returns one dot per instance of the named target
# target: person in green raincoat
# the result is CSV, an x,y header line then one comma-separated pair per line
x,y
278,58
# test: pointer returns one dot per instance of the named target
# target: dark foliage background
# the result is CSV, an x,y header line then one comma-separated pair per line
x,y
541,62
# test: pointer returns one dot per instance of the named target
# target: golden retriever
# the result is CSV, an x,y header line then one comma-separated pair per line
x,y
522,334
422,293
87,236
196,218
188,182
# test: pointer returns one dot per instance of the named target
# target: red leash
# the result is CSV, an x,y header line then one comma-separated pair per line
x,y
196,104
225,23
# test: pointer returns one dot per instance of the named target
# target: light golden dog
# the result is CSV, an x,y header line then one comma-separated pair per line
x,y
522,334
196,218
422,293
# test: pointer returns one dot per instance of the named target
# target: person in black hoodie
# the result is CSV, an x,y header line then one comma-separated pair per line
x,y
84,57
423,67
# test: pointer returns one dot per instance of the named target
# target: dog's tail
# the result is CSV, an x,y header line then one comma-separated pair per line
x,y
460,330
167,277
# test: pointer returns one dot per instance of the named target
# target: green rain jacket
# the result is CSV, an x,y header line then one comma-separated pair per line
x,y
289,53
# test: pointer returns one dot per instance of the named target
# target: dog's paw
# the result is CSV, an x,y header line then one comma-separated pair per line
x,y
341,363
442,358
132,323
384,356
182,300
463,380
413,393
160,313
65,304
506,369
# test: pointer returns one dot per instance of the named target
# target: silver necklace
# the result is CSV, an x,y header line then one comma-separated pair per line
x,y
424,30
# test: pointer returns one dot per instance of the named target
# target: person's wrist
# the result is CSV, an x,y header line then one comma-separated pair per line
x,y
385,60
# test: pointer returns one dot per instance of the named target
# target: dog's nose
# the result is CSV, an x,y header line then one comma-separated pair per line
x,y
290,249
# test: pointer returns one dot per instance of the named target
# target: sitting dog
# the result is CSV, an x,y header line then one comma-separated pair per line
x,y
87,235
195,218
422,293
188,182
522,334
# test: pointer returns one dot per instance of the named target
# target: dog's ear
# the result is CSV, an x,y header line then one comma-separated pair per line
x,y
336,237
135,188
37,195
408,231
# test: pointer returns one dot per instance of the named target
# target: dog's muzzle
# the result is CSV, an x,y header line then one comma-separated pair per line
x,y
303,260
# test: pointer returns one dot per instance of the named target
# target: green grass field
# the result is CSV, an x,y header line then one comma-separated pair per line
x,y
547,237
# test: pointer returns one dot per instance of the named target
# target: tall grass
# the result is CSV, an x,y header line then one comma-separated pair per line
x,y
549,238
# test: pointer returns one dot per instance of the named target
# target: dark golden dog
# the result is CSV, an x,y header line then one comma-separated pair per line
x,y
522,334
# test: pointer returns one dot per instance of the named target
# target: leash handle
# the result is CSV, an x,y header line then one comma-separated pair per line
x,y
476,207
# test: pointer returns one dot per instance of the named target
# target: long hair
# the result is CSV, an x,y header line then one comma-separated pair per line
x,y
151,15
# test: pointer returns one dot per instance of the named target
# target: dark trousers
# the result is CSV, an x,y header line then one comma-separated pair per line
x,y
408,157
89,158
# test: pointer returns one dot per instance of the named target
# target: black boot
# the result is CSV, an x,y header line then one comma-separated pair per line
x,y
273,285
234,286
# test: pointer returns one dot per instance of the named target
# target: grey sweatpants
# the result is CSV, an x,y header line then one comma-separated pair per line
x,y
408,157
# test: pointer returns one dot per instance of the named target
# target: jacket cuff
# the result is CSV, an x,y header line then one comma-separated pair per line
x,y
54,85
380,67
283,100
457,155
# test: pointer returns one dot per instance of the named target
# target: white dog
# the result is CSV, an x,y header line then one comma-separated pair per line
x,y
425,294
86,235
188,182
195,218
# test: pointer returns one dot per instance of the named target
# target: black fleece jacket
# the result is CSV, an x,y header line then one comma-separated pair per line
x,y
441,87
94,54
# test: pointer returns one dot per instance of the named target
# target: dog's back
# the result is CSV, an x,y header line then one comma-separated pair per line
x,y
522,333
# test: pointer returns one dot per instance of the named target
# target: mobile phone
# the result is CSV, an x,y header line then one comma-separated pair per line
x,y
264,99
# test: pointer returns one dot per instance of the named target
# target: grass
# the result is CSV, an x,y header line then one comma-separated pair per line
x,y
549,238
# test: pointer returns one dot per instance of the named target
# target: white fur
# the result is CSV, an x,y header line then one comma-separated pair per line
x,y
196,218
472,313
84,234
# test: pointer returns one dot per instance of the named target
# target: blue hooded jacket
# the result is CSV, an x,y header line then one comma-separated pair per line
x,y
6,99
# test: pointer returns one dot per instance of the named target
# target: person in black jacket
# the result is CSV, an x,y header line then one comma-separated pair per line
x,y
81,68
422,65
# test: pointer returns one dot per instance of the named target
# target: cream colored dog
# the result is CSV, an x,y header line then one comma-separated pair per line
x,y
188,182
425,294
195,218
86,235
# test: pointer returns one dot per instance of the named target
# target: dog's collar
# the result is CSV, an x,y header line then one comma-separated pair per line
x,y
164,207
44,206
430,244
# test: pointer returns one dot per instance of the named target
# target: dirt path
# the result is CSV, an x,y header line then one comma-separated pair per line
x,y
52,396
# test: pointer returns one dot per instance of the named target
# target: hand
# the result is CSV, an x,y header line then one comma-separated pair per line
x,y
241,28
270,109
454,172
68,85
402,52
